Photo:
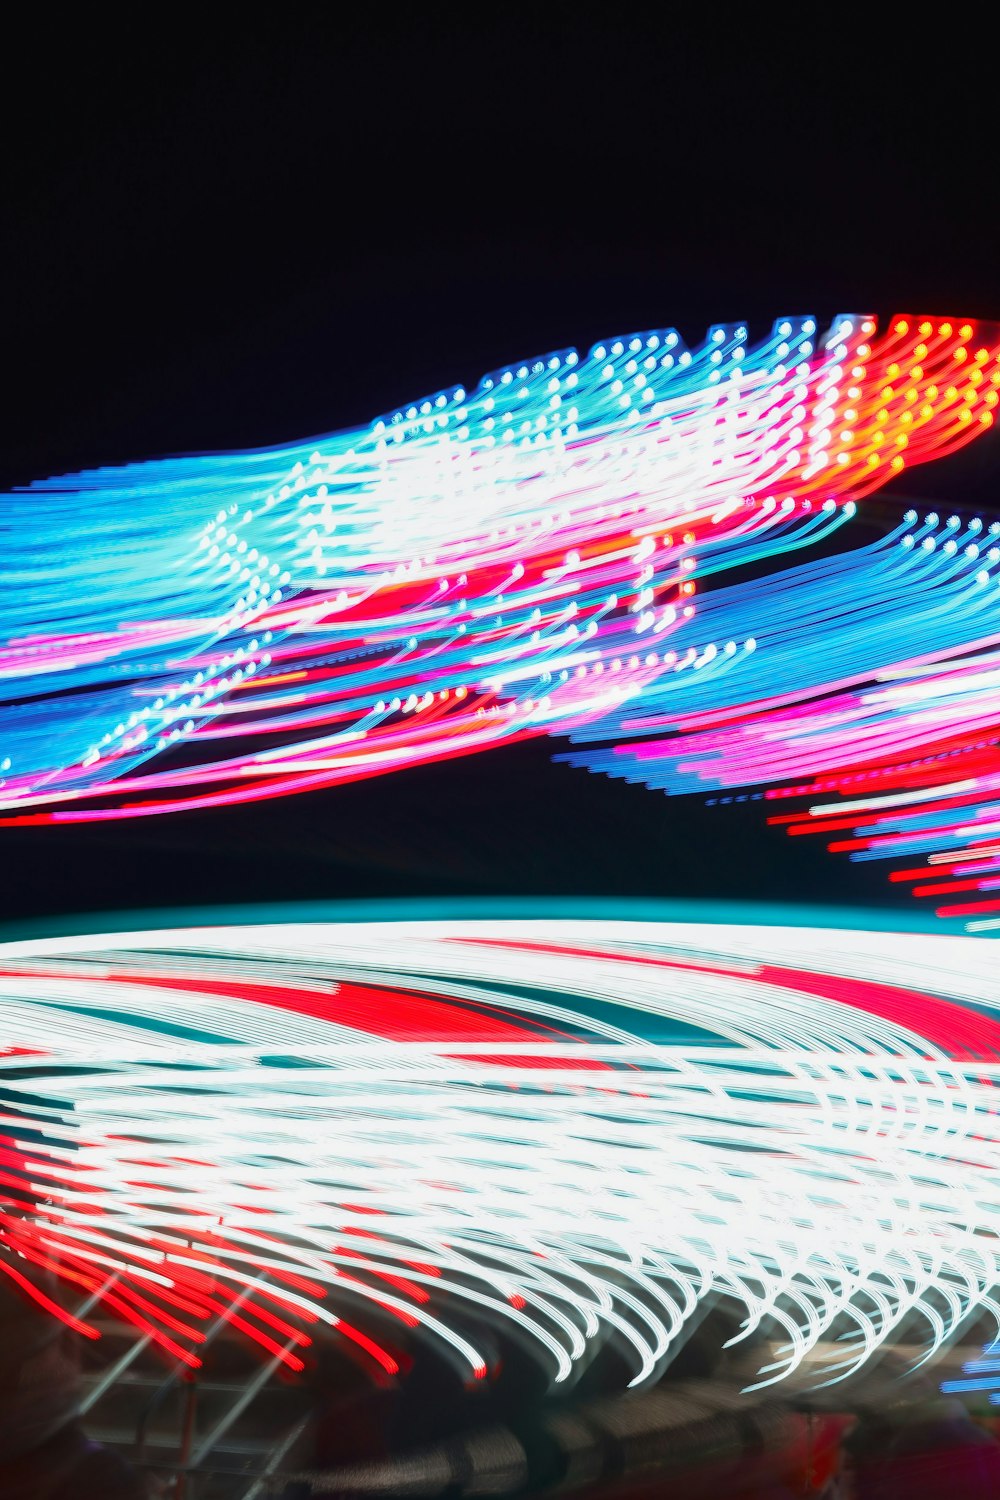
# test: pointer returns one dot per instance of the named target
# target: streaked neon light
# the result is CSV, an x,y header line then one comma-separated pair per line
x,y
873,691
978,1375
469,571
581,1130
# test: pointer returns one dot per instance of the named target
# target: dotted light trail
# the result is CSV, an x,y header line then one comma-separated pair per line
x,y
874,691
468,571
580,1131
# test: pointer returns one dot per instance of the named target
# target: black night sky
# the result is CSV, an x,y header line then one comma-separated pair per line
x,y
230,240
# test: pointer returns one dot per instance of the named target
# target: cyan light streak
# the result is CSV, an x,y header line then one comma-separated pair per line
x,y
742,708
873,690
979,1375
467,571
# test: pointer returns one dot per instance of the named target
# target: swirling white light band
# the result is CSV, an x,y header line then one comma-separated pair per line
x,y
574,1130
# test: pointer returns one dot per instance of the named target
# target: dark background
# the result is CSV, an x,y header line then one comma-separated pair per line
x,y
228,240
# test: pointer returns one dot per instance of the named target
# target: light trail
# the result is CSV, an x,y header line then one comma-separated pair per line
x,y
577,1130
471,570
872,695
